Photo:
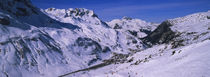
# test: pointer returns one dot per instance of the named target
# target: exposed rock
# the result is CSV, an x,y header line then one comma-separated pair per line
x,y
117,27
145,31
134,33
13,7
127,18
22,12
177,43
4,21
208,17
117,59
163,34
94,15
106,49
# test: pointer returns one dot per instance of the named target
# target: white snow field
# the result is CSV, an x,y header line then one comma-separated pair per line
x,y
188,61
76,43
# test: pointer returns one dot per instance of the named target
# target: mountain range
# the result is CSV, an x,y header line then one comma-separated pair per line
x,y
75,42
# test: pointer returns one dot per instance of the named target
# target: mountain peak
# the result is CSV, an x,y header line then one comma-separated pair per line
x,y
74,16
127,18
72,12
82,12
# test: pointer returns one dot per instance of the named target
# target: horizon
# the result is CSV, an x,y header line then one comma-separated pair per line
x,y
150,10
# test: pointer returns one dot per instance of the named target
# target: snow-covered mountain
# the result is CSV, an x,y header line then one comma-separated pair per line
x,y
178,48
130,31
91,26
123,40
33,44
76,43
127,23
182,31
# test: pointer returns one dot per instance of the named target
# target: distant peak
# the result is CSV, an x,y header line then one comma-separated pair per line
x,y
76,12
127,18
82,12
50,9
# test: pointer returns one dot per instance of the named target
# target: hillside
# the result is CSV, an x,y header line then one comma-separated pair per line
x,y
76,43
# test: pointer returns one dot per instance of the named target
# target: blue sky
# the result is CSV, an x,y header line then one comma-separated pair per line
x,y
149,10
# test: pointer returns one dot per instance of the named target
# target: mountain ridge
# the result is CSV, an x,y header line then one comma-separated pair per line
x,y
53,42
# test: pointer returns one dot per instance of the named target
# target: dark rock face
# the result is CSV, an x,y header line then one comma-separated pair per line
x,y
78,12
208,17
117,26
145,31
134,33
127,18
105,24
106,49
117,59
21,12
177,43
5,21
163,34
94,15
28,9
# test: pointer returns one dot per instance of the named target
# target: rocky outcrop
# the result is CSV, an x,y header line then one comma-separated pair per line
x,y
208,17
163,34
4,20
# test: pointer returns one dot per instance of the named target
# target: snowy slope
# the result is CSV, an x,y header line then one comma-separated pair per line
x,y
188,61
192,28
53,42
186,54
126,23
181,31
91,26
130,31
87,20
33,44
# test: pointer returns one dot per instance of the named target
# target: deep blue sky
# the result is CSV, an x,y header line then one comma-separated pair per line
x,y
149,10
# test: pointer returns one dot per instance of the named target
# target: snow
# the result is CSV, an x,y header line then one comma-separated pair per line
x,y
36,45
192,61
53,42
89,25
99,31
130,30
199,22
